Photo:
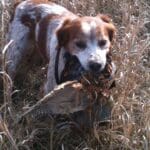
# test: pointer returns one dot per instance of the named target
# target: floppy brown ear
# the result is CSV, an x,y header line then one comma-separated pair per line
x,y
109,27
63,34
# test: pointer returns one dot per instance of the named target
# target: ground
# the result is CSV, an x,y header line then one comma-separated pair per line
x,y
130,123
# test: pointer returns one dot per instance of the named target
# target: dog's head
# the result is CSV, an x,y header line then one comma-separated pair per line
x,y
89,39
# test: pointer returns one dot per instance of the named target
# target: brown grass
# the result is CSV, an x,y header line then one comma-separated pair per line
x,y
131,113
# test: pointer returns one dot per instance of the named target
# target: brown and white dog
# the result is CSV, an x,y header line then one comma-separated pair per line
x,y
53,28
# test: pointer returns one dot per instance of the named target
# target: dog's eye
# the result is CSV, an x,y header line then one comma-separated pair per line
x,y
102,43
81,44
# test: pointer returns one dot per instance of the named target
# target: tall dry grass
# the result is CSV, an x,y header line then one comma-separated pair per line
x,y
130,127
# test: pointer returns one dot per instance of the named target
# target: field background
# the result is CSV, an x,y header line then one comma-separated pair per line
x,y
130,129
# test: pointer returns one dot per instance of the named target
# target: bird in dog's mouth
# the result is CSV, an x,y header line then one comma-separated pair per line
x,y
73,69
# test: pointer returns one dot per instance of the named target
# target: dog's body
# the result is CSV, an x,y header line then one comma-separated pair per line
x,y
53,28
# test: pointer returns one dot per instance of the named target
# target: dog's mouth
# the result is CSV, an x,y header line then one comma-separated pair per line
x,y
73,69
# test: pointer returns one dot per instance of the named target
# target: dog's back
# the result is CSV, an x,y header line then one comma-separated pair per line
x,y
29,30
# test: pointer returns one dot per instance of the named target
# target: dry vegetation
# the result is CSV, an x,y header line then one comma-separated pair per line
x,y
130,127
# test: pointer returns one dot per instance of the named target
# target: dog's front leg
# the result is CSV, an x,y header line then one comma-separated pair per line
x,y
51,78
50,82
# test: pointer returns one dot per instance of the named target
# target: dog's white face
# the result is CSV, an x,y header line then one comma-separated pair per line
x,y
89,39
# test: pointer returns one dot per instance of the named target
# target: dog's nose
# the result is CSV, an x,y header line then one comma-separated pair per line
x,y
95,67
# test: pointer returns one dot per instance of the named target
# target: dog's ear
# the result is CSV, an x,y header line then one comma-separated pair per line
x,y
63,34
109,26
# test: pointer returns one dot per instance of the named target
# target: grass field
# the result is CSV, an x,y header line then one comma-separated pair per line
x,y
130,119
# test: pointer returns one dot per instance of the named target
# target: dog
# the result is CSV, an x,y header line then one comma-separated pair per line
x,y
50,30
